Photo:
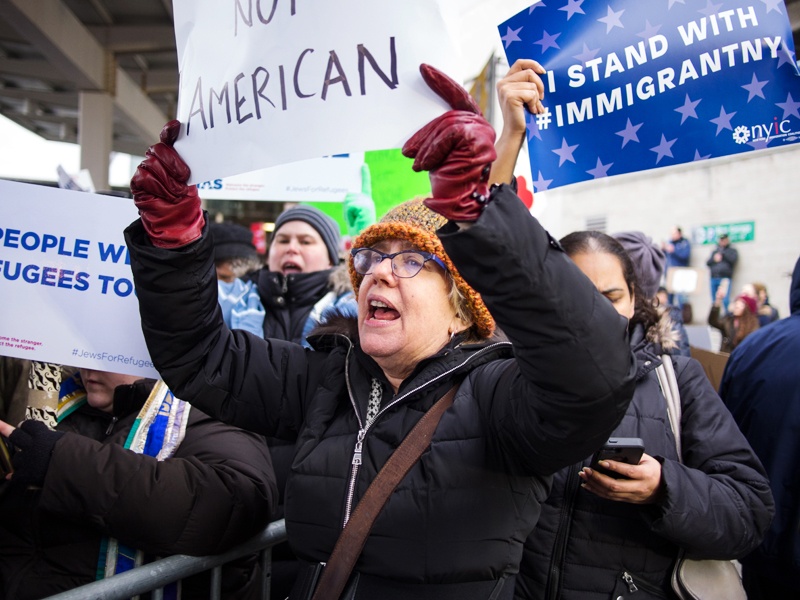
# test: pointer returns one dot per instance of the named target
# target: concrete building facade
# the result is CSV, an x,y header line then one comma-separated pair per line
x,y
759,187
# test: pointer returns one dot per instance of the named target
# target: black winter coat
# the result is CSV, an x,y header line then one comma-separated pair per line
x,y
289,299
761,387
458,519
715,505
217,491
723,268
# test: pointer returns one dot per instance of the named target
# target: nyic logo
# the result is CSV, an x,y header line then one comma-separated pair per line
x,y
763,131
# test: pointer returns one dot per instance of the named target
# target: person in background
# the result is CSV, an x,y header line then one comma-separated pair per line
x,y
300,285
648,262
234,251
741,322
605,538
766,312
679,253
761,387
302,279
235,257
77,487
721,263
676,315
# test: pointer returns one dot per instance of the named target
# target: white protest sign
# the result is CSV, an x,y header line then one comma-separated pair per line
x,y
327,179
65,280
268,82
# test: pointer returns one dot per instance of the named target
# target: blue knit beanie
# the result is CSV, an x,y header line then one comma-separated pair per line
x,y
327,228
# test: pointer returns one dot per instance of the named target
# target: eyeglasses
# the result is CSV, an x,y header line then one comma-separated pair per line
x,y
405,263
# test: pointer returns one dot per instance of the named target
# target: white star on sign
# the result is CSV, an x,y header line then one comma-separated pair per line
x,y
511,36
723,121
789,107
755,87
612,19
572,7
539,4
565,152
773,5
688,109
541,184
600,170
629,133
664,148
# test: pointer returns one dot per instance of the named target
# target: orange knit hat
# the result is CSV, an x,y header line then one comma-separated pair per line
x,y
416,223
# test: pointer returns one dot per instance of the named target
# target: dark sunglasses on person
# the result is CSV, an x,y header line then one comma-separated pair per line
x,y
405,263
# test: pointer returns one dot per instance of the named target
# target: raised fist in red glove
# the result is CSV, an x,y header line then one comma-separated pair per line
x,y
169,208
458,150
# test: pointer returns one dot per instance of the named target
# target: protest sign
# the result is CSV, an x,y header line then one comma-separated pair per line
x,y
265,82
327,179
634,85
66,282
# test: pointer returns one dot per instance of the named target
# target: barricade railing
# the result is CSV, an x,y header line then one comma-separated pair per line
x,y
153,576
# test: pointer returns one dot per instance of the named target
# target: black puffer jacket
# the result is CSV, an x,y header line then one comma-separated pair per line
x,y
723,268
457,522
289,299
217,491
715,505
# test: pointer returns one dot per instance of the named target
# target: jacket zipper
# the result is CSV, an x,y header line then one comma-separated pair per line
x,y
364,428
634,585
111,425
562,535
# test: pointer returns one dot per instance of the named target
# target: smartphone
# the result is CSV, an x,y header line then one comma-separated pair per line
x,y
623,450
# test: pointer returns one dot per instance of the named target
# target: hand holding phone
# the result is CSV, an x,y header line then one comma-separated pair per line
x,y
622,450
641,485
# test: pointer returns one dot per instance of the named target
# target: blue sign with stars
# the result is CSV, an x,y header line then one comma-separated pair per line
x,y
633,85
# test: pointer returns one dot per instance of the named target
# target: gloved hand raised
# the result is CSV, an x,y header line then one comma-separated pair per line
x,y
169,208
457,148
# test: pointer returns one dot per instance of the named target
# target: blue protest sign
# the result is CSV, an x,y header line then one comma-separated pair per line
x,y
635,85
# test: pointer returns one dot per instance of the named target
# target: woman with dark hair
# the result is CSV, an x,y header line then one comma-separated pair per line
x,y
601,537
738,324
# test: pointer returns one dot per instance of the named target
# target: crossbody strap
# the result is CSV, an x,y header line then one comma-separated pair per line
x,y
669,387
353,537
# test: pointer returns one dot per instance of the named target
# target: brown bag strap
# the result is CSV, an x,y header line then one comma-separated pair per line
x,y
353,537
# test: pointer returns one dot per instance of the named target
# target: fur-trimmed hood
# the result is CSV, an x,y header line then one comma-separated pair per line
x,y
664,332
339,279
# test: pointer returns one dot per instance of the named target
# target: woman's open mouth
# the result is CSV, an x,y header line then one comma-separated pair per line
x,y
290,267
382,311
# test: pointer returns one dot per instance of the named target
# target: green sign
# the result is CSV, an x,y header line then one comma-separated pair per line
x,y
737,232
393,182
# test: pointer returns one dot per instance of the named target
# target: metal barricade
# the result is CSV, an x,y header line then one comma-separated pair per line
x,y
153,576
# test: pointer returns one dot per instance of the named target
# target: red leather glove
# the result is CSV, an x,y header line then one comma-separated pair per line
x,y
169,208
458,150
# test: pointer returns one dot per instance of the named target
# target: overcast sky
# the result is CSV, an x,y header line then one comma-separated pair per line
x,y
25,155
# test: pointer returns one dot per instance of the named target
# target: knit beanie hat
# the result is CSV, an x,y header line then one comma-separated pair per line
x,y
750,302
232,240
416,223
648,259
327,228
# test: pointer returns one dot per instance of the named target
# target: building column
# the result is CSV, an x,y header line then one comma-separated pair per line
x,y
95,131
